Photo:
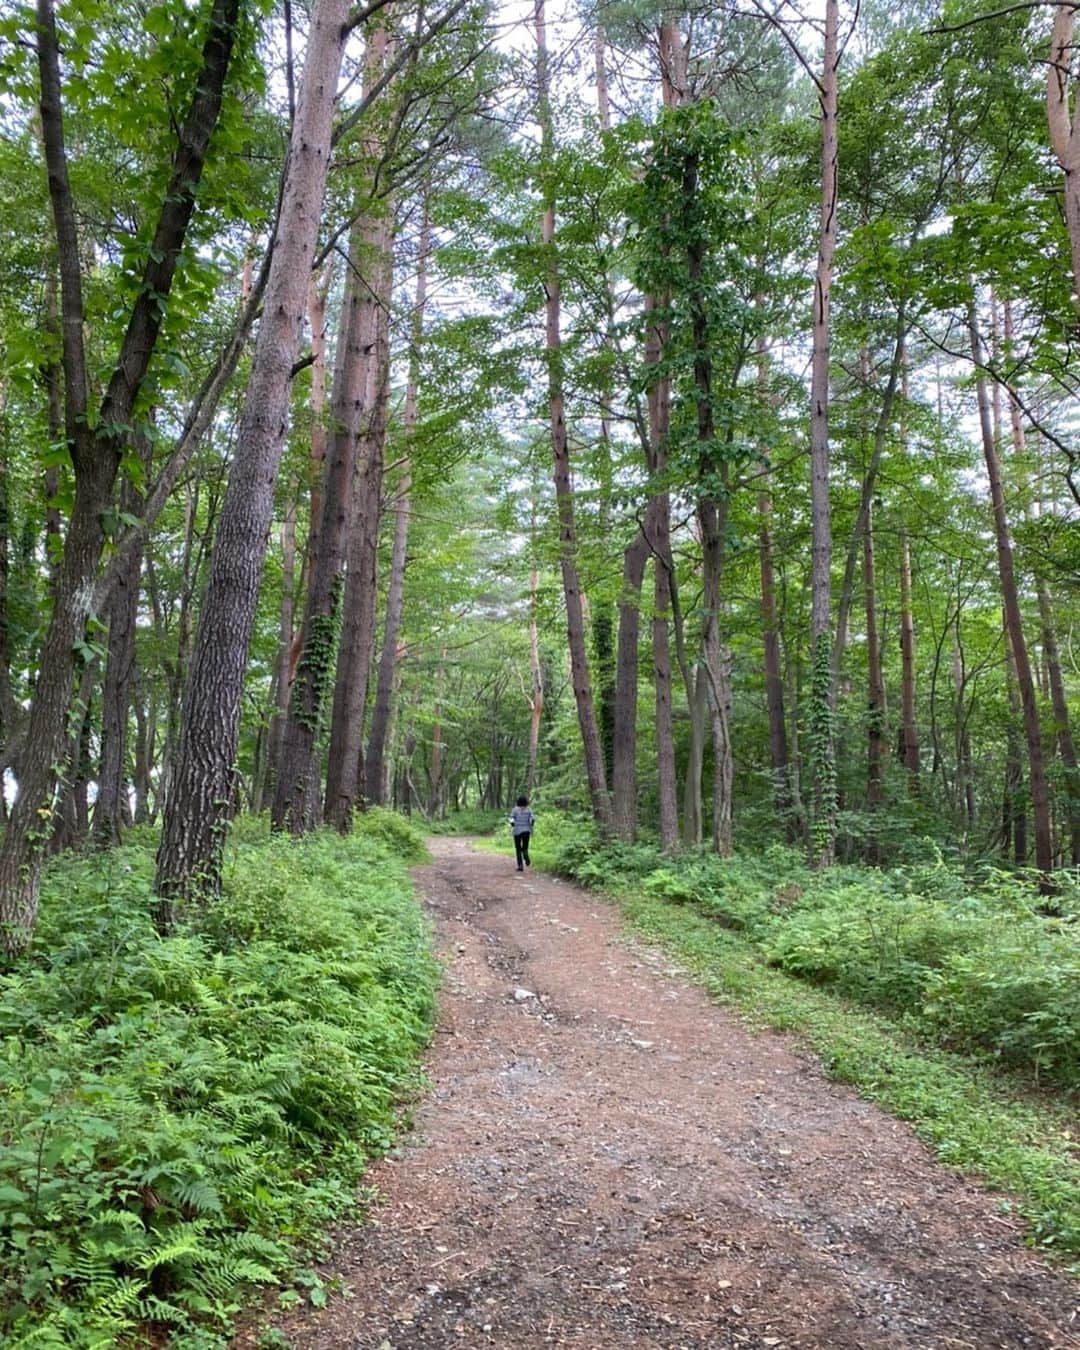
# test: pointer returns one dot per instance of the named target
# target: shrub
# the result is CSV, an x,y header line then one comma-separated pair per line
x,y
400,835
176,1116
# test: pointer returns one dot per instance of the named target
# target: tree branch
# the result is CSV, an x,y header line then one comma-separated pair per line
x,y
1019,8
407,54
365,12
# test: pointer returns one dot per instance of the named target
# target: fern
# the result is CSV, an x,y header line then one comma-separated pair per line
x,y
177,1116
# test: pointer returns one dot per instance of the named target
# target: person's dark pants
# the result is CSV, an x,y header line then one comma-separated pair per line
x,y
521,848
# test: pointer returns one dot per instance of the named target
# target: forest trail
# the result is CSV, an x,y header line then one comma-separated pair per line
x,y
607,1159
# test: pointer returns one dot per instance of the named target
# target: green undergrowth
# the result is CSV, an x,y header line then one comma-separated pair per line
x,y
951,999
181,1118
476,820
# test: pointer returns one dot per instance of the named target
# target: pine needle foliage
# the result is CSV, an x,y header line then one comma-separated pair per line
x,y
179,1117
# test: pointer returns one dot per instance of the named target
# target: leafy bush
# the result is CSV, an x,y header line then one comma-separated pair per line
x,y
177,1116
400,835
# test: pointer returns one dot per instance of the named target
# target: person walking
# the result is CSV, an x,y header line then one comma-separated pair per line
x,y
521,825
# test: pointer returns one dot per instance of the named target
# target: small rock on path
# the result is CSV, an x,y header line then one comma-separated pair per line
x,y
607,1160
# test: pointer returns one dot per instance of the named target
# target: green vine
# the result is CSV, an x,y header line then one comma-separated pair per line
x,y
821,751
316,663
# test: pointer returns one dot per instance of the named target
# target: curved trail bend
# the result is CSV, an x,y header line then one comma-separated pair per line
x,y
607,1160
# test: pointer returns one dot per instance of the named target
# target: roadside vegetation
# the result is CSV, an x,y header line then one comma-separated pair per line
x,y
945,994
181,1118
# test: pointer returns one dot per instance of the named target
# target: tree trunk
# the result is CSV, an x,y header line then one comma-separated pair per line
x,y
909,731
711,514
1014,843
286,639
774,686
698,707
875,755
822,753
603,621
296,797
96,444
1062,726
575,622
144,755
345,768
624,750
965,770
717,667
384,690
52,373
869,483
665,731
8,709
71,813
536,695
316,309
436,807
1064,126
199,806
110,803
1040,798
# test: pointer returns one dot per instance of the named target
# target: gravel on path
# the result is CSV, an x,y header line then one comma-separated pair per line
x,y
608,1160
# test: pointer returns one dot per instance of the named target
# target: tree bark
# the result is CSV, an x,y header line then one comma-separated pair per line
x,y
144,755
666,784
674,53
1055,683
822,751
95,450
284,674
345,767
876,740
199,806
436,805
698,708
316,309
774,685
1062,724
909,730
603,620
536,691
624,748
965,769
297,797
1014,838
1064,126
71,812
110,804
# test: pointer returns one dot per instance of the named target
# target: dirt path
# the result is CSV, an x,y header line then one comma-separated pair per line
x,y
608,1159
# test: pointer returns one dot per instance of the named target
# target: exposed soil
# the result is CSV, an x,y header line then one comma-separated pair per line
x,y
608,1159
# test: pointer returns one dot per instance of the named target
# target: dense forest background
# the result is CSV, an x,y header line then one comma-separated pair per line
x,y
667,412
